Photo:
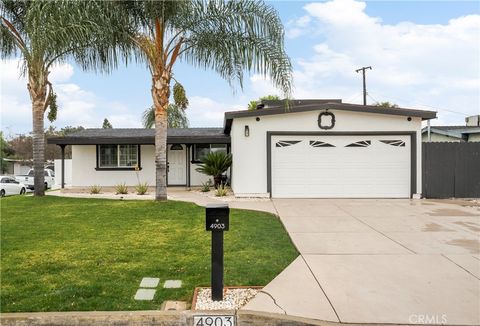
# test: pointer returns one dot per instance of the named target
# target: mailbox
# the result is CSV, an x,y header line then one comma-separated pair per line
x,y
217,221
217,217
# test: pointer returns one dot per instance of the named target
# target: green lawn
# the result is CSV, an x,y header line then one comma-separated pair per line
x,y
60,254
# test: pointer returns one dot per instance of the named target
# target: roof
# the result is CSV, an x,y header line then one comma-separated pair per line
x,y
278,107
453,131
141,136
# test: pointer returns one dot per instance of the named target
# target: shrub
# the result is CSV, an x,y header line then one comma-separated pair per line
x,y
206,186
121,189
221,191
214,164
95,189
141,188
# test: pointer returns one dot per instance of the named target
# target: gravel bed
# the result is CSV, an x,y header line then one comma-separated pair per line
x,y
230,197
233,299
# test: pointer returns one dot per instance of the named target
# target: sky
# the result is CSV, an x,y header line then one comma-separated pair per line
x,y
424,55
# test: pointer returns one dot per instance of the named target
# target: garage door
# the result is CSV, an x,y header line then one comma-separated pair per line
x,y
340,166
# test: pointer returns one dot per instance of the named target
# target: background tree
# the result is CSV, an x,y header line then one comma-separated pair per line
x,y
106,124
22,145
6,151
176,117
231,37
43,33
252,105
386,105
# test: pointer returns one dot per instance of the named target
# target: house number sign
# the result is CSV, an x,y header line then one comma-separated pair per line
x,y
214,320
326,120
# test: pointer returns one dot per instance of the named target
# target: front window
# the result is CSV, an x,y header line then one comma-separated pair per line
x,y
201,150
118,156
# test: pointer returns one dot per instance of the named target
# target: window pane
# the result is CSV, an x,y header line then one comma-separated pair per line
x,y
128,155
201,150
218,147
108,156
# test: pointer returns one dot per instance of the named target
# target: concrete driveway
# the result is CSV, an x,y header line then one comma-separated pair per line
x,y
379,261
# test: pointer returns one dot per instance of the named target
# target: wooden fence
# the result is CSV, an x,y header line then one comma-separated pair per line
x,y
451,170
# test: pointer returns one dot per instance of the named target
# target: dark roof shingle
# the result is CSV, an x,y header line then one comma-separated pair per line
x,y
141,136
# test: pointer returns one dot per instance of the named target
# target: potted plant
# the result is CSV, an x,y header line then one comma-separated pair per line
x,y
215,164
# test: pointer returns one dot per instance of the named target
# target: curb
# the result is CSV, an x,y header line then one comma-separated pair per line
x,y
159,318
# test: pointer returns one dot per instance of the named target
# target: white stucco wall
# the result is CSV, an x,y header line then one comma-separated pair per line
x,y
85,175
19,168
58,172
249,176
197,178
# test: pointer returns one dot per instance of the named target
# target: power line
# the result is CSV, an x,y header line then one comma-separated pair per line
x,y
429,106
372,98
354,97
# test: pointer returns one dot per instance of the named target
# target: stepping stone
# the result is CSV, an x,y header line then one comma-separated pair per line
x,y
149,282
172,284
145,294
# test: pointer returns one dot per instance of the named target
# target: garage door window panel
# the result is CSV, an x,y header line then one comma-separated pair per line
x,y
316,143
363,143
286,143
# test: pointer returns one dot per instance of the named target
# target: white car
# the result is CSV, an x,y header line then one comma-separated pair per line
x,y
10,186
28,179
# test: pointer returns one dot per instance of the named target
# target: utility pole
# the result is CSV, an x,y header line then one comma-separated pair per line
x,y
364,83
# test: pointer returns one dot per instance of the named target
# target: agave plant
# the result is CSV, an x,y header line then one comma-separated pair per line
x,y
214,164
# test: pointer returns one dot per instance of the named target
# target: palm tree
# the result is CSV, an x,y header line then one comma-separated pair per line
x,y
231,37
44,33
176,117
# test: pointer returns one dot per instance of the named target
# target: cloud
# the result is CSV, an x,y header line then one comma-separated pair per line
x,y
205,112
414,65
262,86
77,106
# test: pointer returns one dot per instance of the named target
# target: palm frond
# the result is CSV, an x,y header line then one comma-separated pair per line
x,y
176,117
236,37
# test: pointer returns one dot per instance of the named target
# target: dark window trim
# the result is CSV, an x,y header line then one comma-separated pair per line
x,y
413,149
123,168
194,150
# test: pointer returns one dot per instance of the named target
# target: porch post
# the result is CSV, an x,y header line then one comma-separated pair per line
x,y
62,147
188,166
229,149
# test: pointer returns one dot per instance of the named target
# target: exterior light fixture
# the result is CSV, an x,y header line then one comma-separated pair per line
x,y
247,131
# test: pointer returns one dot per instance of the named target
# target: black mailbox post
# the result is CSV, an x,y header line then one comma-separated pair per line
x,y
217,221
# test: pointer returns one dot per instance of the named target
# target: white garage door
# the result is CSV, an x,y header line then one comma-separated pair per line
x,y
340,166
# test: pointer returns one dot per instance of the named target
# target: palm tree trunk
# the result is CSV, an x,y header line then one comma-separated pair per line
x,y
38,145
160,95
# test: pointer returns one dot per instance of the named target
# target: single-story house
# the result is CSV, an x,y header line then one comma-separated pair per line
x,y
307,149
18,166
451,134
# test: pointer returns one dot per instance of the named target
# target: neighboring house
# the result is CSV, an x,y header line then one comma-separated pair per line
x,y
468,133
310,149
19,166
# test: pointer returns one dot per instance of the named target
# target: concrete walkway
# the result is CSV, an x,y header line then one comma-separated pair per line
x,y
180,194
379,261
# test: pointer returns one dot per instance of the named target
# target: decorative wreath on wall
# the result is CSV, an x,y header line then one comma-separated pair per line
x,y
329,123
